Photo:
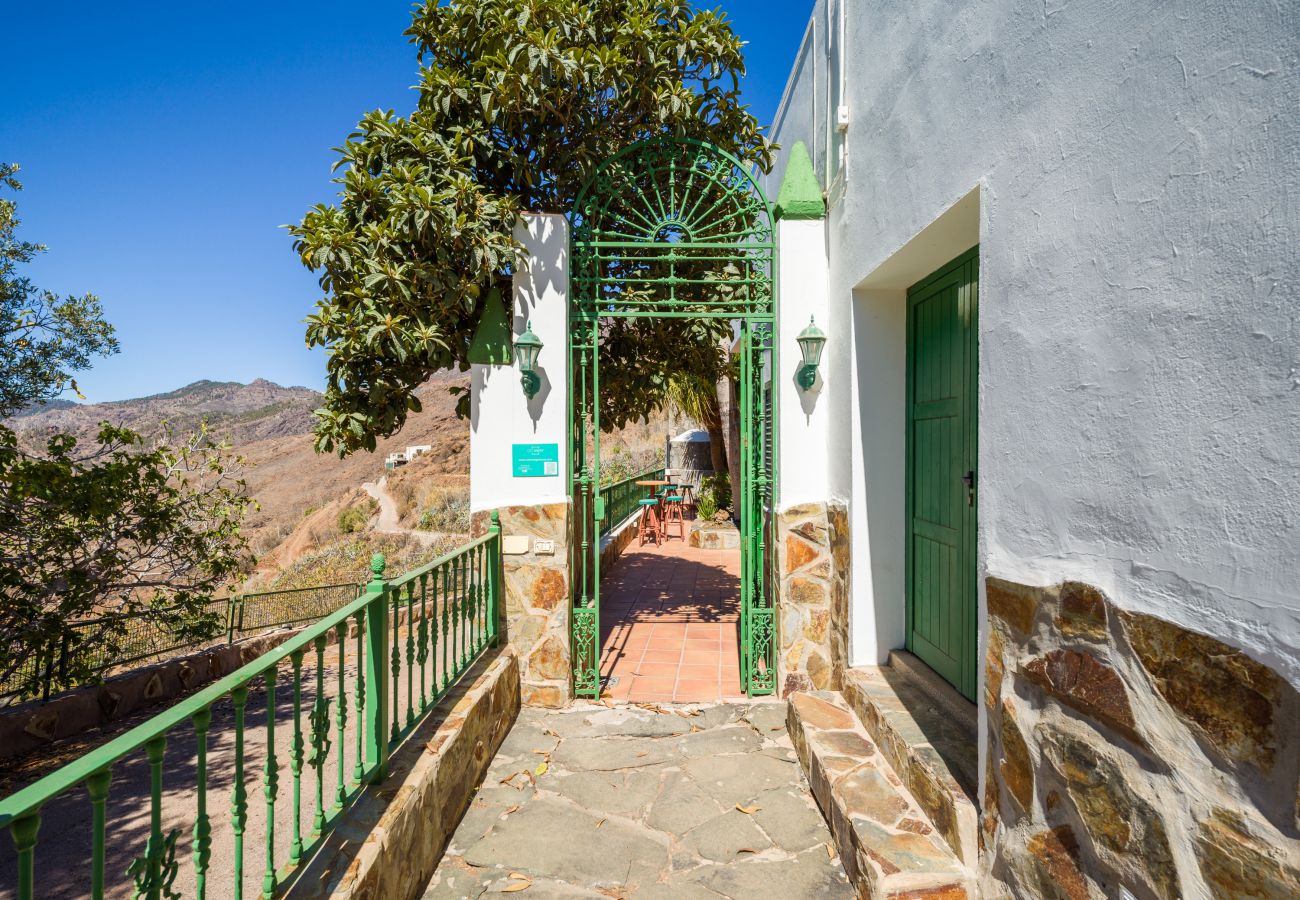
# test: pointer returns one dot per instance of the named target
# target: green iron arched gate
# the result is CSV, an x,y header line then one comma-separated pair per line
x,y
675,228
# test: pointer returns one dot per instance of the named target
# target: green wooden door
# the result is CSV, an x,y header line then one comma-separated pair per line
x,y
941,457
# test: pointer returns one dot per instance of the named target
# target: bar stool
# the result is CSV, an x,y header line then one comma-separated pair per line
x,y
650,522
688,497
673,514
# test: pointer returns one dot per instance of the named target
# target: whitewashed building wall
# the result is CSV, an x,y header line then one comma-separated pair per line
x,y
1131,174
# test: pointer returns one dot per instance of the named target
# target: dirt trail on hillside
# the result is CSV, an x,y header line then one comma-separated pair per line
x,y
389,521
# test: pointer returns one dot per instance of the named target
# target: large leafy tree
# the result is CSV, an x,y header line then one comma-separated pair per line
x,y
518,101
95,536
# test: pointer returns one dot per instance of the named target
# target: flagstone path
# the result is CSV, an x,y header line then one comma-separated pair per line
x,y
687,803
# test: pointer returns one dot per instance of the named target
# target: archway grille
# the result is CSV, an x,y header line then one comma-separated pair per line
x,y
675,228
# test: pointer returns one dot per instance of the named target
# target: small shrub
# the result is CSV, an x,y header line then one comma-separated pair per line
x,y
719,487
354,518
706,507
447,510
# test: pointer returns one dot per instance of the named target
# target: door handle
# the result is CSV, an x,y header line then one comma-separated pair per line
x,y
969,480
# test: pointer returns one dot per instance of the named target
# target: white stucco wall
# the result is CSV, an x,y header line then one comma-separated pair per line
x,y
1135,168
804,428
500,414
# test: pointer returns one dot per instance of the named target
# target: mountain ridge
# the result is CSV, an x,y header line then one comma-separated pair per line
x,y
234,411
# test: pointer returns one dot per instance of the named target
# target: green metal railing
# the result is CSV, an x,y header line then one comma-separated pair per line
x,y
620,499
399,672
142,638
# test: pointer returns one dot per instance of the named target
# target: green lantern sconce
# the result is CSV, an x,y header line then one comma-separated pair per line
x,y
812,340
527,348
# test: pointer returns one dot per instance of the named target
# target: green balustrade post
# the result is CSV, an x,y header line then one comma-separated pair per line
x,y
154,849
97,787
24,833
271,785
202,834
377,675
496,579
239,795
296,748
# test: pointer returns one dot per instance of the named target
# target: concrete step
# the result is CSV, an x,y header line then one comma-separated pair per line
x,y
887,845
927,732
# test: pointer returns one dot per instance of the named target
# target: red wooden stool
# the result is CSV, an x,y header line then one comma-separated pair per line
x,y
650,522
673,515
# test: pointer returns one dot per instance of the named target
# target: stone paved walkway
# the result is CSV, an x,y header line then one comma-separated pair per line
x,y
687,803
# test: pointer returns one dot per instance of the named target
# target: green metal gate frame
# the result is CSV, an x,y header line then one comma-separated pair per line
x,y
675,228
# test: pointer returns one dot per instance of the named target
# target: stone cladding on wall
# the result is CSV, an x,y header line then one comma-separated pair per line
x,y
813,606
537,603
1124,750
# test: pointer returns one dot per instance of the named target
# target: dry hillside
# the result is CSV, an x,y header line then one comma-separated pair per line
x,y
297,533
270,426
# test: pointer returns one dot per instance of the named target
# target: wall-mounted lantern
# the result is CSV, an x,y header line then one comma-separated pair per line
x,y
527,348
811,342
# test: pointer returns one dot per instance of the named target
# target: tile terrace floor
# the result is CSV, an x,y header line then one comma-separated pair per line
x,y
670,624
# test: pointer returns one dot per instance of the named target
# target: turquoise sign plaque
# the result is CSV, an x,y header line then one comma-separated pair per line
x,y
535,460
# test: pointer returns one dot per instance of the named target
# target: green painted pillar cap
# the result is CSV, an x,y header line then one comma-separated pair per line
x,y
800,196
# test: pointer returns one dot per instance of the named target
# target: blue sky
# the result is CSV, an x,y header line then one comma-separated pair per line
x,y
163,144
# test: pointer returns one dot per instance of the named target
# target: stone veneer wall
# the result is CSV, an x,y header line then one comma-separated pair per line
x,y
537,603
1126,750
813,606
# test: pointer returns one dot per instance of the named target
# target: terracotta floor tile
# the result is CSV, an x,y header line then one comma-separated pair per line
x,y
668,617
704,643
617,691
687,691
656,669
651,689
676,629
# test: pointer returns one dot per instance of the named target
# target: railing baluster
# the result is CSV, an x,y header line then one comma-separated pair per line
x,y
320,736
359,768
395,667
494,581
295,759
457,615
97,787
24,831
410,654
475,572
375,723
465,610
341,716
239,797
446,629
422,653
433,640
271,781
201,850
480,595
